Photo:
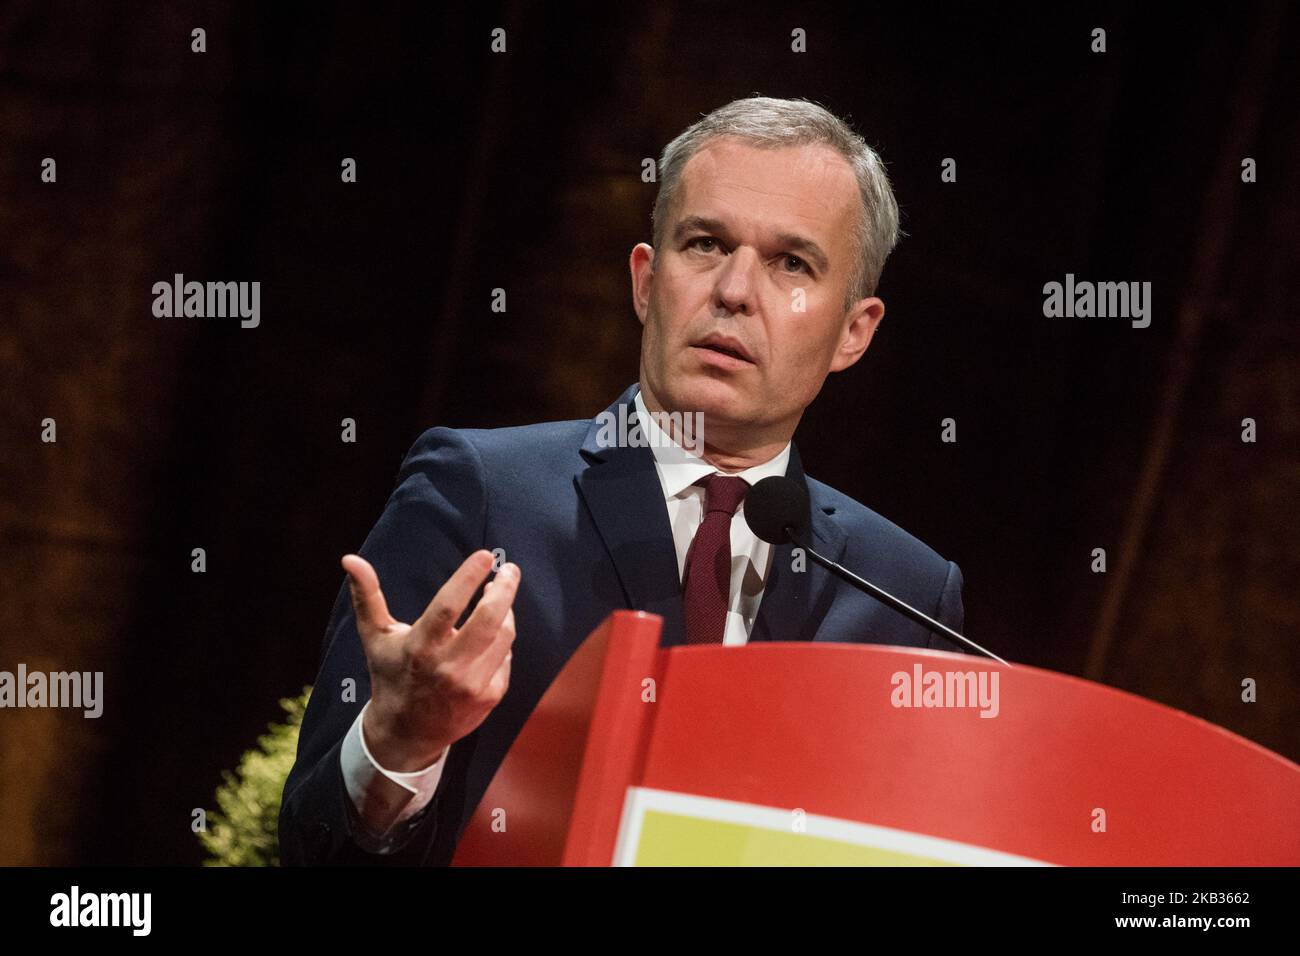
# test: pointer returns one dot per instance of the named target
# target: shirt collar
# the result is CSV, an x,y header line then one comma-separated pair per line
x,y
679,468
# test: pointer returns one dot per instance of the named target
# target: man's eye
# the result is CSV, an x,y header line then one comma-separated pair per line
x,y
794,264
699,242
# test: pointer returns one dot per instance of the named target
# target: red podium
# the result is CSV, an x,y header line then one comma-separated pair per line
x,y
853,754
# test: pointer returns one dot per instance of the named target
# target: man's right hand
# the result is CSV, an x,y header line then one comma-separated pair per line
x,y
432,683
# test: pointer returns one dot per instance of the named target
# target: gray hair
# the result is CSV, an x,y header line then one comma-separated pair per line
x,y
767,122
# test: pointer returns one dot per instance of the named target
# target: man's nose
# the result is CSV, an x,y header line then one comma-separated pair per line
x,y
737,281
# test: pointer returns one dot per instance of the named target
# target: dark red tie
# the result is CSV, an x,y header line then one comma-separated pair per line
x,y
707,581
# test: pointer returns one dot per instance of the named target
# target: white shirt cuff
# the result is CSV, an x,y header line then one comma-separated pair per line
x,y
380,806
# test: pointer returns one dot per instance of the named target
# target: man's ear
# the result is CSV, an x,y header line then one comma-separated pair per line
x,y
642,266
861,323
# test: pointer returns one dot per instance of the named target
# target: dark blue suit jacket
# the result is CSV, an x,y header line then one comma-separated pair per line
x,y
588,526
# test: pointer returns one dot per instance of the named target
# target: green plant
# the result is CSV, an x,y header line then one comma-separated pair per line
x,y
243,832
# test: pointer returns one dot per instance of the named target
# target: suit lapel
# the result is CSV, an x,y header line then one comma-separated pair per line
x,y
622,492
796,599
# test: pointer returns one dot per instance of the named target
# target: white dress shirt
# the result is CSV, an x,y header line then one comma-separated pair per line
x,y
751,559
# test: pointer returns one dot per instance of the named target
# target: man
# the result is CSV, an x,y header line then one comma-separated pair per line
x,y
771,227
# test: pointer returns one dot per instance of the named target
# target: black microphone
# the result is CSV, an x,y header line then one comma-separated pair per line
x,y
777,510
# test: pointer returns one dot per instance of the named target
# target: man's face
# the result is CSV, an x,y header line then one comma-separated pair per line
x,y
756,257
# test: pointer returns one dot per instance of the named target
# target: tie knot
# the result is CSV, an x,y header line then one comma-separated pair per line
x,y
723,492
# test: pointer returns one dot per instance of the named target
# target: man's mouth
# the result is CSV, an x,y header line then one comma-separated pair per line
x,y
725,345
